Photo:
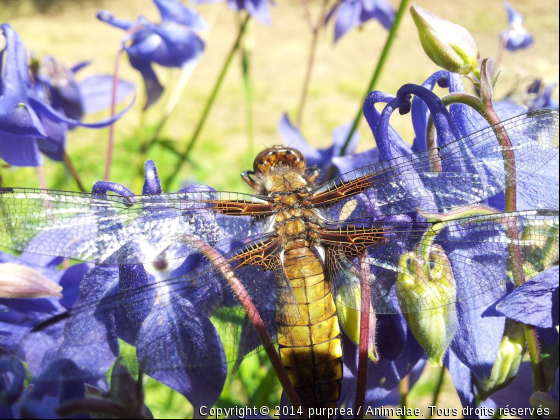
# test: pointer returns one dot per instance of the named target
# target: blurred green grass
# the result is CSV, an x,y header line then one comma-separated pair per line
x,y
70,32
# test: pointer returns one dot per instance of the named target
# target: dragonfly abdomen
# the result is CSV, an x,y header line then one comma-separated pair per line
x,y
311,350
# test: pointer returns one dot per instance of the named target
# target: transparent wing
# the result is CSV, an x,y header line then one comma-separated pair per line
x,y
419,266
180,318
469,170
96,228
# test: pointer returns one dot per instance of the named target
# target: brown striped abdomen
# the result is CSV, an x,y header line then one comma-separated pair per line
x,y
311,350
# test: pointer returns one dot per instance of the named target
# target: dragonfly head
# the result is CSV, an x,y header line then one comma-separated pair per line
x,y
279,169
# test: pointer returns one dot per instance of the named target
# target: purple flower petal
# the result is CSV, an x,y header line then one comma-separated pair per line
x,y
389,143
50,113
152,184
53,145
292,137
348,15
177,12
77,67
339,136
63,380
186,336
461,376
359,160
108,17
535,302
20,151
97,91
154,89
259,9
12,377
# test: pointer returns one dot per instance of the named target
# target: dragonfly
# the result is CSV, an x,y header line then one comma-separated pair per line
x,y
165,262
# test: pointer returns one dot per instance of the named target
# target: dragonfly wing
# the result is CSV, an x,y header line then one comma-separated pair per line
x,y
181,319
469,260
100,228
469,170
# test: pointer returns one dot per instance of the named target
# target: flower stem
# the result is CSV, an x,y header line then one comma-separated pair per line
x,y
312,52
378,70
485,108
111,145
404,389
437,391
208,106
71,168
363,351
41,176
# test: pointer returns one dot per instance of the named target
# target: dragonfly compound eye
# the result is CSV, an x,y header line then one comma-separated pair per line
x,y
278,158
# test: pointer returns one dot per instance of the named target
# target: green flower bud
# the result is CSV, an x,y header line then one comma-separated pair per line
x,y
507,362
426,293
21,282
448,45
348,305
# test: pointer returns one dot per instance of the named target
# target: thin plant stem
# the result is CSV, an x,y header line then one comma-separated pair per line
x,y
41,176
378,70
486,109
111,145
72,169
363,349
404,389
206,111
312,53
437,391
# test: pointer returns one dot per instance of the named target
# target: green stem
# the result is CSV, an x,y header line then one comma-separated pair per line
x,y
404,389
208,106
73,172
378,71
437,391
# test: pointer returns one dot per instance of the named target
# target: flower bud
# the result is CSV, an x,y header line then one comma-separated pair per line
x,y
21,282
348,298
507,362
448,45
426,293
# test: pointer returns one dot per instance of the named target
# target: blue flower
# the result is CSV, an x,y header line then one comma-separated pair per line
x,y
350,13
55,84
477,337
172,43
167,322
33,115
516,36
259,9
12,377
321,158
57,385
396,361
19,316
535,302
